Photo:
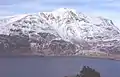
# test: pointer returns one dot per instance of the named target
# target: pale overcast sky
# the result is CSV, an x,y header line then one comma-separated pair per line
x,y
106,8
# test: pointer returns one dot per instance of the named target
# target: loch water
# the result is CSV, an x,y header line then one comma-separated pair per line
x,y
55,66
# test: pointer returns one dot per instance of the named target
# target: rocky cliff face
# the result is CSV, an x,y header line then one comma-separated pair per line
x,y
60,32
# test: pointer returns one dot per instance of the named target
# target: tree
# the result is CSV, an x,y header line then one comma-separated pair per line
x,y
88,72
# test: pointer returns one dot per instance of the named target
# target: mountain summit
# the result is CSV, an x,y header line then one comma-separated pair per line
x,y
61,32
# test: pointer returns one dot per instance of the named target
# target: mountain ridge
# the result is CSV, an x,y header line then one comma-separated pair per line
x,y
61,32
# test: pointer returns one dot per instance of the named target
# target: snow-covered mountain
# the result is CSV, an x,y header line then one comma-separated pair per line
x,y
62,31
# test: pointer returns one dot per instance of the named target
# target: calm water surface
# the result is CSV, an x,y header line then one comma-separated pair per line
x,y
55,66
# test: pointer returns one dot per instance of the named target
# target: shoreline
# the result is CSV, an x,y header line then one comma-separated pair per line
x,y
111,57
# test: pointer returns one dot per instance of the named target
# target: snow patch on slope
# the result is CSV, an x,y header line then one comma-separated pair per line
x,y
66,23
